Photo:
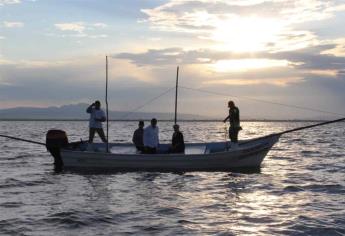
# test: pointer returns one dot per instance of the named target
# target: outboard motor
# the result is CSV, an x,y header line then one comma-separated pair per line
x,y
55,140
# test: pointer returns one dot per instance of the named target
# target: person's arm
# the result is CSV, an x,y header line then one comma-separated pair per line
x,y
134,139
103,118
146,136
158,135
226,118
89,109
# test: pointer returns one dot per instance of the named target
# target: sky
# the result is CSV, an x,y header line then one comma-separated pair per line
x,y
276,59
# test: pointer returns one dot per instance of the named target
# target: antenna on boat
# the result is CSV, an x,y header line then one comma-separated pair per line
x,y
176,89
106,99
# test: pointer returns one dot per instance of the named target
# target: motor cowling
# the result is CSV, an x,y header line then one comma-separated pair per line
x,y
55,140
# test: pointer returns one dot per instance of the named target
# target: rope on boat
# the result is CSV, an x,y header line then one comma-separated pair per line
x,y
263,101
147,102
21,139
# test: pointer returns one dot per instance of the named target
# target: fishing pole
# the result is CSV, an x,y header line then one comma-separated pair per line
x,y
21,139
296,129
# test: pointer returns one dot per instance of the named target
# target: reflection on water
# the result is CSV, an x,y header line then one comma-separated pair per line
x,y
298,190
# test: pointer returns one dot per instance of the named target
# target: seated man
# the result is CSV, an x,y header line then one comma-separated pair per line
x,y
151,138
177,141
138,136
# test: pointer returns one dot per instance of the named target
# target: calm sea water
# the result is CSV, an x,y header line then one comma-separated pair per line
x,y
299,190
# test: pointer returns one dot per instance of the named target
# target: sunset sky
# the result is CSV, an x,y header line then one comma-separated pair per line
x,y
256,52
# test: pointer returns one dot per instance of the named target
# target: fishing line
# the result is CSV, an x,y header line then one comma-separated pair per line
x,y
147,102
263,101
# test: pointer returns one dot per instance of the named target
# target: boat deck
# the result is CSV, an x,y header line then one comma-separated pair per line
x,y
126,148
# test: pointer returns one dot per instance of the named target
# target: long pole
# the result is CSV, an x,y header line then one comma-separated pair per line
x,y
21,139
311,126
297,129
176,89
106,99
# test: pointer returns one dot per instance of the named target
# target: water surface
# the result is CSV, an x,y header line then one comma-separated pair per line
x,y
299,190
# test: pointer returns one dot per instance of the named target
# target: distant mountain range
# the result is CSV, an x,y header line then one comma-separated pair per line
x,y
78,112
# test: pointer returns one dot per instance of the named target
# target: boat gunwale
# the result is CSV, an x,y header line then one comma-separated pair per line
x,y
236,152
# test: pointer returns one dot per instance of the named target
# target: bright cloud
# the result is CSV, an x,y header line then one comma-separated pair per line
x,y
5,2
13,24
73,26
246,64
244,25
80,30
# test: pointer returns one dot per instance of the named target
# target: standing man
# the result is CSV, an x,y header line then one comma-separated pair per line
x,y
234,118
151,137
138,136
97,116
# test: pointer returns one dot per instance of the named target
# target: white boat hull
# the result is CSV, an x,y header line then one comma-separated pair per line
x,y
198,157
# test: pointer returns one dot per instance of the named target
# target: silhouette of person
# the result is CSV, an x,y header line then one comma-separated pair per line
x,y
234,118
138,136
177,141
97,116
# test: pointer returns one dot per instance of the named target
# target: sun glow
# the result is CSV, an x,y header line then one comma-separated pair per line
x,y
246,64
247,34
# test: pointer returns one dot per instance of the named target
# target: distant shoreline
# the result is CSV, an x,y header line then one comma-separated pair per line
x,y
164,120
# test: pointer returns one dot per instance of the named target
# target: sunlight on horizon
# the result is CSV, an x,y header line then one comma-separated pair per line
x,y
246,64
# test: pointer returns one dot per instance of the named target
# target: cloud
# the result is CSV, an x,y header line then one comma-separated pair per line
x,y
73,26
244,25
7,2
100,25
339,50
276,68
13,24
79,30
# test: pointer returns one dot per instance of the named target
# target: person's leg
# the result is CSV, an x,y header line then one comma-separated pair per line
x,y
232,134
154,150
91,134
101,135
150,150
236,135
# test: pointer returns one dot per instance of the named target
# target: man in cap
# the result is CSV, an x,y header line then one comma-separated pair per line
x,y
97,116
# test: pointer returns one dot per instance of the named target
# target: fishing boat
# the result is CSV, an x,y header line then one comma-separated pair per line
x,y
212,156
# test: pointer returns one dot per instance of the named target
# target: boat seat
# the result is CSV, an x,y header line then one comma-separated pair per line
x,y
200,149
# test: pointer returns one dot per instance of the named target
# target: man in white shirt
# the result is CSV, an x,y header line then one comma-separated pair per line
x,y
151,137
97,116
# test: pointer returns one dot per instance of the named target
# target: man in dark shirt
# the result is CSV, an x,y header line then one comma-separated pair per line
x,y
138,136
234,118
177,141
